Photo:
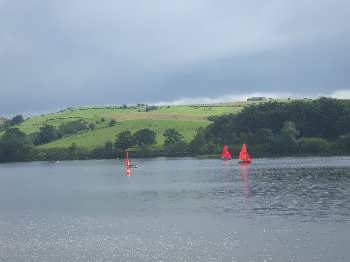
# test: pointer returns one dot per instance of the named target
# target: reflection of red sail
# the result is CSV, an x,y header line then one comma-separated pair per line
x,y
127,164
244,167
244,156
225,154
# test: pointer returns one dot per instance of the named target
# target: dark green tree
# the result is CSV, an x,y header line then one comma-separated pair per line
x,y
112,123
329,113
264,136
124,140
144,137
92,126
314,145
16,120
174,143
289,131
343,143
46,134
108,149
286,141
74,151
73,127
172,136
14,146
150,108
73,147
199,144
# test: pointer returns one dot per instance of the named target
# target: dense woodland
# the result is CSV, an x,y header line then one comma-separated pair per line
x,y
316,127
310,127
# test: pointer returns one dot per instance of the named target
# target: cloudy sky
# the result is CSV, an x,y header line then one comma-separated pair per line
x,y
60,53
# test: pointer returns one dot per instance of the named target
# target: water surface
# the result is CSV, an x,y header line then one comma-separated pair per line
x,y
289,209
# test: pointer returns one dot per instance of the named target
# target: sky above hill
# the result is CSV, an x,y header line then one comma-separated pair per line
x,y
60,53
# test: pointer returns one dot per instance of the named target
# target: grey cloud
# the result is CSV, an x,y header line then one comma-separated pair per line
x,y
55,53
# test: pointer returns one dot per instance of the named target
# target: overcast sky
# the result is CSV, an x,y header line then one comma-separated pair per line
x,y
60,53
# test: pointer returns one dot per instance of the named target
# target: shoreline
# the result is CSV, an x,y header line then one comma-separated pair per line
x,y
200,157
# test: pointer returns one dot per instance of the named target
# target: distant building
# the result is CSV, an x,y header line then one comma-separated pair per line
x,y
257,98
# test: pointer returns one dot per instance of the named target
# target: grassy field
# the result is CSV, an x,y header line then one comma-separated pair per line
x,y
94,115
186,119
99,137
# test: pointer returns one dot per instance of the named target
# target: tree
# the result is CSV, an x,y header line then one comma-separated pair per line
x,y
73,147
172,136
73,127
277,127
92,126
314,145
14,146
289,131
46,134
199,144
108,149
174,143
112,123
286,141
325,118
144,137
343,124
150,108
18,119
330,111
343,143
264,136
73,151
124,140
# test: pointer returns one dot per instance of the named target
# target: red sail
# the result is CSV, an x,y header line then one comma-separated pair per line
x,y
244,155
225,154
127,164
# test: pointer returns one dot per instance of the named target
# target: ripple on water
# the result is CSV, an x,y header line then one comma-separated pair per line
x,y
176,210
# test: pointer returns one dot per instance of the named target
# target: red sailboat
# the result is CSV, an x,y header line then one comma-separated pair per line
x,y
244,156
127,164
225,154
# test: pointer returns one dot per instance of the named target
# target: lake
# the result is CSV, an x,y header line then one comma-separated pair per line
x,y
184,209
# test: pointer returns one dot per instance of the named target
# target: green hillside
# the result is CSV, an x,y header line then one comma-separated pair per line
x,y
100,136
83,133
186,119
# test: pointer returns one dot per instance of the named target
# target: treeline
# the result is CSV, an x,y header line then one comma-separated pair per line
x,y
49,133
7,123
317,127
320,127
16,146
143,140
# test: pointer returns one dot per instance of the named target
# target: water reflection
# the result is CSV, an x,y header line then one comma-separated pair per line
x,y
244,170
307,193
227,176
176,210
